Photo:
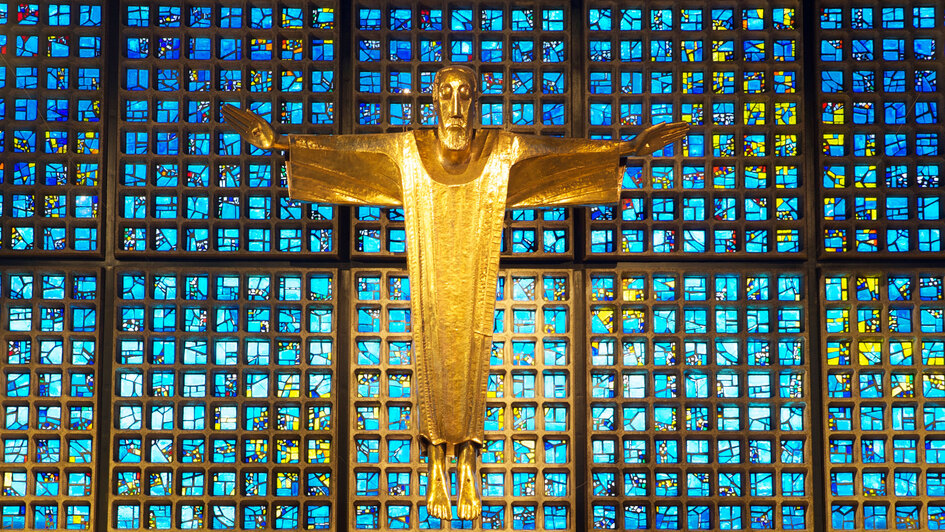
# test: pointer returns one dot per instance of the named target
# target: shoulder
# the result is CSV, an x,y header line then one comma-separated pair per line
x,y
372,142
500,139
528,146
421,134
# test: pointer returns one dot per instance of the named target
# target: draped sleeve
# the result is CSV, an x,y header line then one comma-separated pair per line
x,y
345,169
553,171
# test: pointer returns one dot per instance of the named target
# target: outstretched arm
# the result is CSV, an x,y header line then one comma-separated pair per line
x,y
341,169
556,172
654,138
254,129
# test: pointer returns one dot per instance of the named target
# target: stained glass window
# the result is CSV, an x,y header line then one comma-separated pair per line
x,y
884,345
877,99
520,55
733,186
526,471
224,399
698,409
51,92
49,332
693,404
187,184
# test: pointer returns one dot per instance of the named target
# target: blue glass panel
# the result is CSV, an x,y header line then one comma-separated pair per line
x,y
760,388
172,66
865,342
770,149
867,154
271,311
48,457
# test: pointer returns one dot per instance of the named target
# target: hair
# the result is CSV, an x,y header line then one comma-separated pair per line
x,y
465,70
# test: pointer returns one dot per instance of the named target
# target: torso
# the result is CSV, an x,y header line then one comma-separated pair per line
x,y
454,219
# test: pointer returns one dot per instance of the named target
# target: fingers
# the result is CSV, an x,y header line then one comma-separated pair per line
x,y
674,128
667,128
230,110
234,117
240,120
252,128
231,113
672,132
676,134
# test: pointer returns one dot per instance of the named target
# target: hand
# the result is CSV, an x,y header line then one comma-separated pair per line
x,y
254,129
654,138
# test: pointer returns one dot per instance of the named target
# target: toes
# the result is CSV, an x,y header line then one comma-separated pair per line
x,y
438,511
468,512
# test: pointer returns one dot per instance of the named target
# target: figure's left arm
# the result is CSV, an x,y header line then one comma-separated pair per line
x,y
560,172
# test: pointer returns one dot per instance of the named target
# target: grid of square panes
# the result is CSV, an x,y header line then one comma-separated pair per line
x,y
49,335
520,55
733,186
187,184
879,108
884,348
698,400
50,146
223,399
526,466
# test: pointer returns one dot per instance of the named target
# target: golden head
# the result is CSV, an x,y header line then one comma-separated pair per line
x,y
454,95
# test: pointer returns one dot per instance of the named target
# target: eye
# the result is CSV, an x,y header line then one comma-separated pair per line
x,y
446,92
464,91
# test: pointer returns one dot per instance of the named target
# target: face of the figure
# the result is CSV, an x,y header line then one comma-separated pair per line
x,y
453,98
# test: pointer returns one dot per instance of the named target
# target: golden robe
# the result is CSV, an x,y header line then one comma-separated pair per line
x,y
454,228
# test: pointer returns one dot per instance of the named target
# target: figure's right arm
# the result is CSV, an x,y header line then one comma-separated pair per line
x,y
346,169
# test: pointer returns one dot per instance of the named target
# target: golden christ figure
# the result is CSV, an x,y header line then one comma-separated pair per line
x,y
454,184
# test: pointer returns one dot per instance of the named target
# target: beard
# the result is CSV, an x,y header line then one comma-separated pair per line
x,y
454,138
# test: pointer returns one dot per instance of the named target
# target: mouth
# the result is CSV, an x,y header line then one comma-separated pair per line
x,y
455,138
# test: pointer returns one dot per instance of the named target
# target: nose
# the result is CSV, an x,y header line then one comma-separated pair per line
x,y
457,110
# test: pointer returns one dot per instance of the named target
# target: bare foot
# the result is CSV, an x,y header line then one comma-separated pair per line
x,y
438,497
469,506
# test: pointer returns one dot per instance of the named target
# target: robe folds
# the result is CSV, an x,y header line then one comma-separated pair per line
x,y
454,223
